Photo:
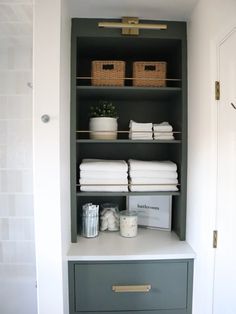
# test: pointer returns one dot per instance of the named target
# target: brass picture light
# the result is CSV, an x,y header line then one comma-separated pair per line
x,y
131,25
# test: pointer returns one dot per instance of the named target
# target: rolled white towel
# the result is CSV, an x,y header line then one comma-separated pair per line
x,y
103,165
136,126
105,181
153,181
152,188
163,126
105,188
153,174
152,165
103,174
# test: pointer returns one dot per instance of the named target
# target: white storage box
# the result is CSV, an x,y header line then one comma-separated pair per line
x,y
153,211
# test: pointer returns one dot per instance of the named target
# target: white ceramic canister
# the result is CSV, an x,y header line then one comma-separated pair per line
x,y
128,223
107,124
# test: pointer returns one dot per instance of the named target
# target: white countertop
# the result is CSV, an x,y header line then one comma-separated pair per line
x,y
147,245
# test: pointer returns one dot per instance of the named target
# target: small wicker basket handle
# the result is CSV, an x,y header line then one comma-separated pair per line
x,y
150,67
108,66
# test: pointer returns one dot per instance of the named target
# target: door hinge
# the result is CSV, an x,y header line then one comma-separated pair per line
x,y
215,238
217,90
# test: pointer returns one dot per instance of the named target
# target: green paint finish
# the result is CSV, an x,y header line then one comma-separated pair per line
x,y
128,93
113,194
171,286
126,141
73,165
137,103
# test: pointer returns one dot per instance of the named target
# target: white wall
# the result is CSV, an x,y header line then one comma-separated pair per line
x,y
17,251
210,20
177,10
51,153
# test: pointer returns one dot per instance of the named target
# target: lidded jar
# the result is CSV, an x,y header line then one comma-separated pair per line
x,y
90,220
128,223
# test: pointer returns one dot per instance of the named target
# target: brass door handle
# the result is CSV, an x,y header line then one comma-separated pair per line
x,y
132,288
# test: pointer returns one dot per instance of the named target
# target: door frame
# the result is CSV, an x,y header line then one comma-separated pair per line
x,y
220,40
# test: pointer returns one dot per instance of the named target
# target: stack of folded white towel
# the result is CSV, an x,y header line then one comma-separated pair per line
x,y
103,175
163,131
140,131
153,175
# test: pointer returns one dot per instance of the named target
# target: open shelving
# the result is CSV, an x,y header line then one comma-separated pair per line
x,y
141,104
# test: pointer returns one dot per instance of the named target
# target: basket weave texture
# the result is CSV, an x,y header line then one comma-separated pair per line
x,y
108,73
149,74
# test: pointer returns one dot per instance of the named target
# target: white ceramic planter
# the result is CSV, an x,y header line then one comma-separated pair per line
x,y
99,124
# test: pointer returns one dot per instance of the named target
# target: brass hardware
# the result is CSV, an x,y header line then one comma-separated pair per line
x,y
132,288
130,31
88,131
131,25
217,90
125,184
215,238
129,78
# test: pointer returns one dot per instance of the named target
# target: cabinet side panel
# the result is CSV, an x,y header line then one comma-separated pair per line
x,y
73,137
179,215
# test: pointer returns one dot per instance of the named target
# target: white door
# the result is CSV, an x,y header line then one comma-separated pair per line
x,y
225,258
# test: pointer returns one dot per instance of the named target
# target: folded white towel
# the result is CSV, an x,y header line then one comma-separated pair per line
x,y
152,188
103,164
152,165
164,126
140,136
164,137
153,181
105,188
153,174
136,126
163,133
103,174
104,181
146,133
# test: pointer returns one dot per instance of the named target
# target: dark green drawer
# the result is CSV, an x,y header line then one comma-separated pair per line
x,y
91,286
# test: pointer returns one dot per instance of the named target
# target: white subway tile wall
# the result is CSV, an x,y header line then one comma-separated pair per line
x,y
17,246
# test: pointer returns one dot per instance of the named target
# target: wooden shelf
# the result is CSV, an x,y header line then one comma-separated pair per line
x,y
127,92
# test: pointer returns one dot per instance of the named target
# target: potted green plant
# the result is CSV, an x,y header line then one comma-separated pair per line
x,y
103,121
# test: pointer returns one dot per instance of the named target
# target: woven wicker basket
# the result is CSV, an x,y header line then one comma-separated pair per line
x,y
108,73
152,74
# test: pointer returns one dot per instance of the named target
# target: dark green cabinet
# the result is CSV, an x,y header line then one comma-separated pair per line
x,y
170,281
170,287
143,104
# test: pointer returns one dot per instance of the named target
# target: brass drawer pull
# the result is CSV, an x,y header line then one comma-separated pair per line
x,y
132,288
